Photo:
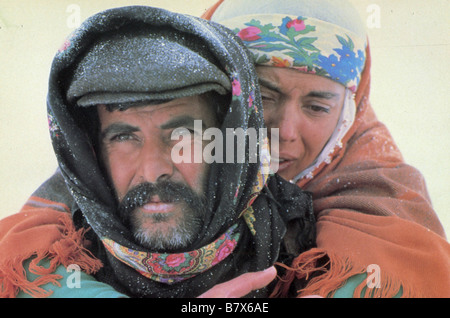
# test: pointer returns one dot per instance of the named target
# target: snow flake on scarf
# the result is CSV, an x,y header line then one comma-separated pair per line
x,y
171,268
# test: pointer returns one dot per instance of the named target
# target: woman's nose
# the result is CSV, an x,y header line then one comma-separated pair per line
x,y
288,122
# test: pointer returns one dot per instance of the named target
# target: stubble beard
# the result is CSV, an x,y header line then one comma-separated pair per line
x,y
164,232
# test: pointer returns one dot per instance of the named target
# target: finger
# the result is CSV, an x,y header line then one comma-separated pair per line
x,y
242,285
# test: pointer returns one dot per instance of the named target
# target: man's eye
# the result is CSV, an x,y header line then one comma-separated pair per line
x,y
121,137
183,132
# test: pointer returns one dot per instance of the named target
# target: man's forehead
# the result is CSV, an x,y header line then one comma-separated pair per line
x,y
155,105
195,107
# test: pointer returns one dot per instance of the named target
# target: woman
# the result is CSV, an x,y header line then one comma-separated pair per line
x,y
373,210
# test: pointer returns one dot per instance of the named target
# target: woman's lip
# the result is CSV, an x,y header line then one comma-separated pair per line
x,y
284,164
279,164
284,156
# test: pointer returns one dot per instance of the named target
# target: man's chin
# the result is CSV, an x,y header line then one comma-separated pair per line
x,y
163,242
164,232
156,218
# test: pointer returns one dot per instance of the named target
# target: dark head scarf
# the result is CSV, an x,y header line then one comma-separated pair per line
x,y
82,77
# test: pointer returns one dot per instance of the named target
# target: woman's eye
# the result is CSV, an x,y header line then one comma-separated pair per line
x,y
266,97
318,109
268,101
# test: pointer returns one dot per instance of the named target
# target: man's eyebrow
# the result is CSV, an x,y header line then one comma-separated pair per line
x,y
181,121
116,128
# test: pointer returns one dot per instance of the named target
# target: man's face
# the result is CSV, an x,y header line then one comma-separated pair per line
x,y
162,201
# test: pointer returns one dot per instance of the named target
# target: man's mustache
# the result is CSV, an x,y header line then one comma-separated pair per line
x,y
167,191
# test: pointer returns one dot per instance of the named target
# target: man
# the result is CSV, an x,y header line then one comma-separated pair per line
x,y
126,89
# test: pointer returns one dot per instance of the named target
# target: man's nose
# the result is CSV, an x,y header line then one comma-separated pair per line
x,y
155,163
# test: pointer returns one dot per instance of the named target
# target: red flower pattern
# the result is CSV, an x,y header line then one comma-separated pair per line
x,y
298,25
236,91
224,250
64,46
174,260
249,34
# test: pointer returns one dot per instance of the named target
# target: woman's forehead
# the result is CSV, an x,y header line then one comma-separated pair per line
x,y
284,79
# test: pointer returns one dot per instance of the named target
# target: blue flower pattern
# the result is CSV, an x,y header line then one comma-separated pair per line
x,y
294,43
345,67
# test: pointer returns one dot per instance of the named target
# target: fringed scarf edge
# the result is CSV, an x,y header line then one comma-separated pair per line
x,y
66,251
326,272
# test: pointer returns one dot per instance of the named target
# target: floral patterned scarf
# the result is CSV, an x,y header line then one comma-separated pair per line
x,y
172,268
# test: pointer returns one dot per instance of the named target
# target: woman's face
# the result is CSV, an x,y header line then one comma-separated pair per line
x,y
305,108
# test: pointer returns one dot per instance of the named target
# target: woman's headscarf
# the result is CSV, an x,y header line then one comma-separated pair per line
x,y
141,54
369,204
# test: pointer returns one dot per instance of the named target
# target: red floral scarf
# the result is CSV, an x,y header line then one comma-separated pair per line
x,y
176,267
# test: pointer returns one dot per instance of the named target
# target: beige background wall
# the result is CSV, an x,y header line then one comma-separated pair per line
x,y
411,75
